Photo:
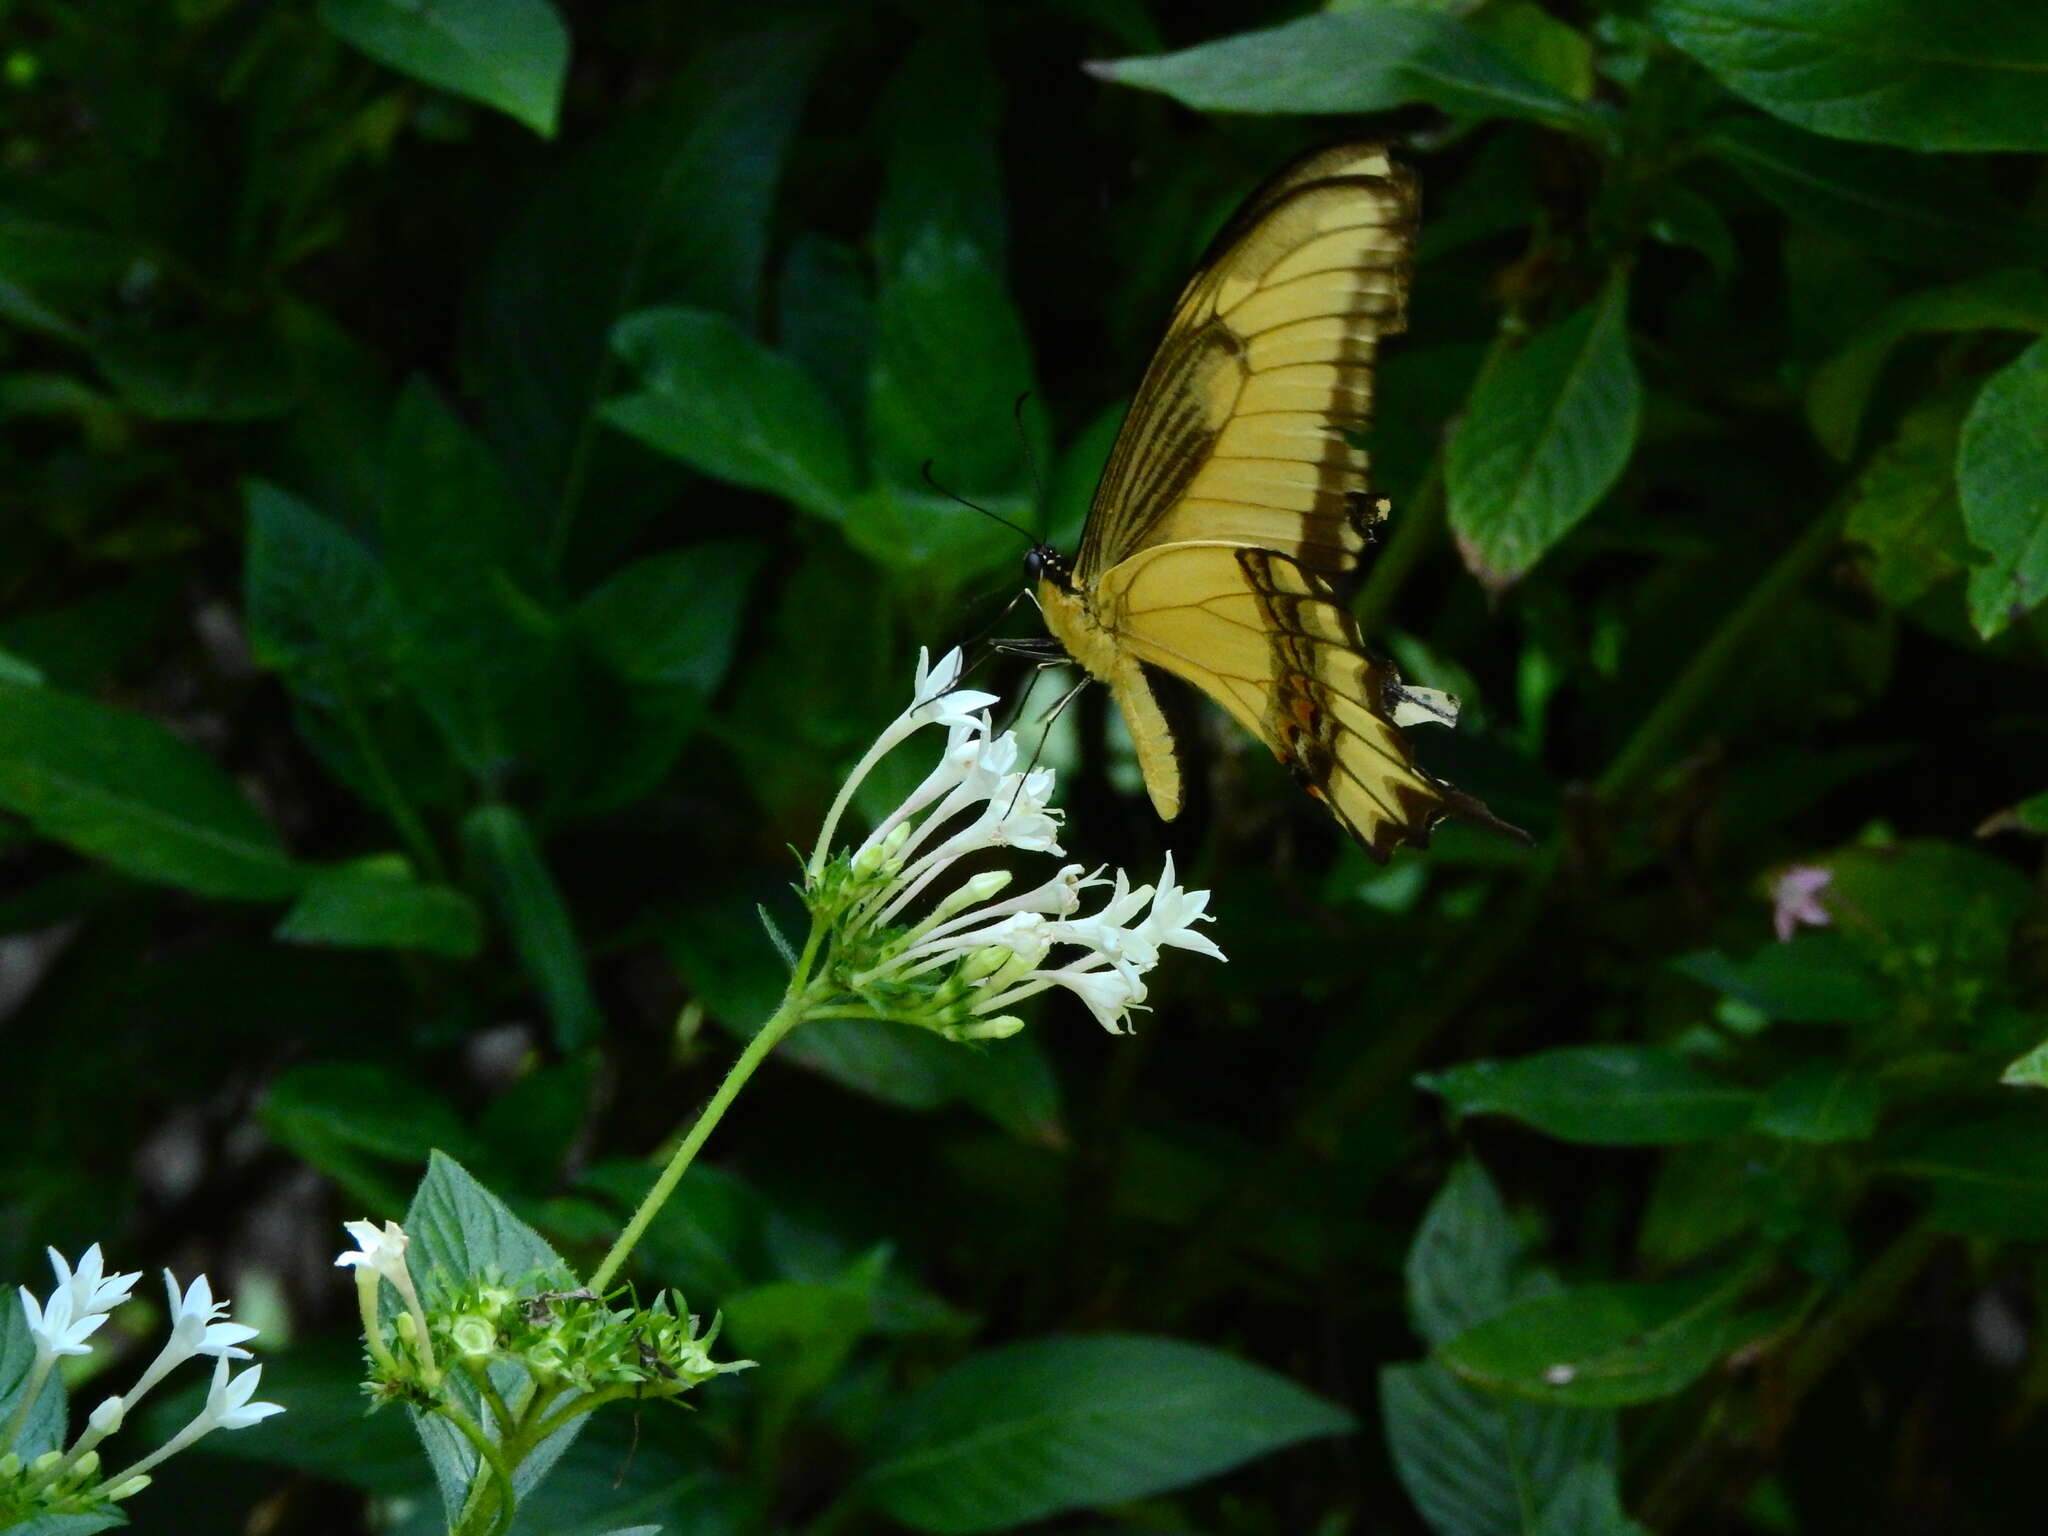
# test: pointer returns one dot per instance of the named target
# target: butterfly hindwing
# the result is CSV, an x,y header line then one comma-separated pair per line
x,y
1266,639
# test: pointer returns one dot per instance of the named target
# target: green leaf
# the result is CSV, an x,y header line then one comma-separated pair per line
x,y
1814,978
13,669
1037,1429
530,905
355,1120
1904,508
1553,52
951,358
2002,475
1840,389
376,903
801,1332
723,403
669,205
1461,1266
460,1232
1586,1501
1819,1102
43,1428
1359,61
2030,1070
216,370
1476,1463
1898,204
707,1241
122,788
69,1525
508,54
1605,1346
317,600
1988,1176
1601,1095
1884,71
1545,436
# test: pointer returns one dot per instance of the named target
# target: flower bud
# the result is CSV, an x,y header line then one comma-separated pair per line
x,y
999,1028
108,1416
474,1336
128,1487
986,961
972,893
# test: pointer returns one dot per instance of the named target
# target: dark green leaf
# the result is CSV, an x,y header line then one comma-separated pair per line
x,y
1586,1501
228,370
1988,1177
526,1133
530,905
1837,394
1884,71
1605,1346
1601,1095
1360,61
1476,1463
2031,1070
508,54
1815,978
951,358
2002,475
801,1332
1819,1102
714,397
1546,434
1036,1429
43,1428
706,1241
122,788
355,1120
1461,1266
377,903
668,206
1904,508
1898,204
316,598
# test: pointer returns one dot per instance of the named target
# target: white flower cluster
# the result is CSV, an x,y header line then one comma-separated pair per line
x,y
974,953
58,1480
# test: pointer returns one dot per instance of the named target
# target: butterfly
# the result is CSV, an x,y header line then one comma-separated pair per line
x,y
1235,507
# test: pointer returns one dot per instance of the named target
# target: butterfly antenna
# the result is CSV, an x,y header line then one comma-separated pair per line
x,y
1030,458
1049,719
953,495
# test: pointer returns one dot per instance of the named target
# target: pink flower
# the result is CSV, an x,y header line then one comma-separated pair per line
x,y
1795,899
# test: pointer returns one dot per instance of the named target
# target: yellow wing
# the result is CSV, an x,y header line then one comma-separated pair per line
x,y
1267,640
1235,504
1248,424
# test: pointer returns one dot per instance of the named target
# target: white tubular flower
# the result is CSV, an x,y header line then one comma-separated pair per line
x,y
196,1329
914,940
227,1407
383,1252
54,1327
92,1289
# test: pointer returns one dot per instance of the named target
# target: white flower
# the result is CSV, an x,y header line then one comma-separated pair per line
x,y
915,940
383,1251
1173,913
195,1330
92,1289
227,1399
55,1328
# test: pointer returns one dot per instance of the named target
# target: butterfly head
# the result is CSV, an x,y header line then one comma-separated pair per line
x,y
1044,563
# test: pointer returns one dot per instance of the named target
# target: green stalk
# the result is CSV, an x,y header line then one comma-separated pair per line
x,y
788,1014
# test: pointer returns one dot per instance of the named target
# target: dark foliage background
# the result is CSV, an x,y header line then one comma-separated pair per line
x,y
460,516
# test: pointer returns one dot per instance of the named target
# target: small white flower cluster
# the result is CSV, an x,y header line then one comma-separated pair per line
x,y
975,954
68,1479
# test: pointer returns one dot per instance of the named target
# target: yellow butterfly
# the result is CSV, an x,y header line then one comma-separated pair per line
x,y
1236,505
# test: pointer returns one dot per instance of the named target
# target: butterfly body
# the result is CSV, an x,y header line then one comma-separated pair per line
x,y
1235,507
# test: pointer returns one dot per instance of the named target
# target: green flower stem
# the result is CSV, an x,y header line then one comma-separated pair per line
x,y
495,1475
577,1408
792,1011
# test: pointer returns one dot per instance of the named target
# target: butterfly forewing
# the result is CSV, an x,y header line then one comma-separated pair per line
x,y
1249,423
